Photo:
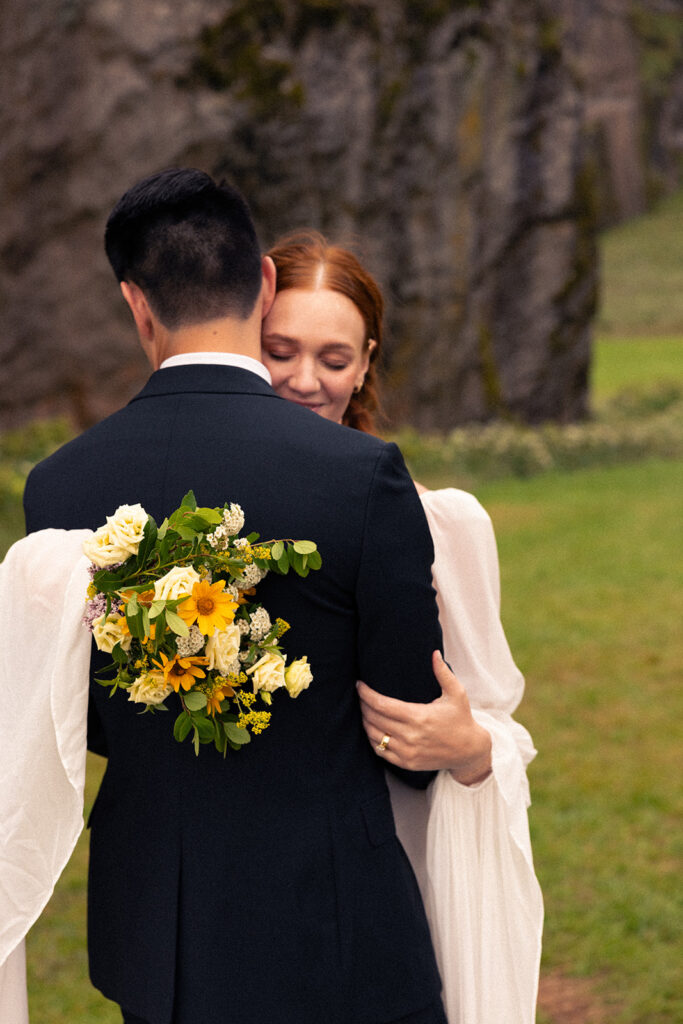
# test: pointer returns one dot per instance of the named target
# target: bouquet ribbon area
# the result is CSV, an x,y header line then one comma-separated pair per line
x,y
175,606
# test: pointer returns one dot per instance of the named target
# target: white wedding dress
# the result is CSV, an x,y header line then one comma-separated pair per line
x,y
469,845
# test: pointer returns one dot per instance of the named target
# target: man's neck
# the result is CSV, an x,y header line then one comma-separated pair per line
x,y
227,335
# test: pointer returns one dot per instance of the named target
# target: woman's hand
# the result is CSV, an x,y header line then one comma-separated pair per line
x,y
424,737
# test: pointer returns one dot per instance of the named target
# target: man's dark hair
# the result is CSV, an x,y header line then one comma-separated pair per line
x,y
189,244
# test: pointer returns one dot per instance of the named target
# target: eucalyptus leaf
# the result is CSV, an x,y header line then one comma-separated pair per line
x,y
277,550
304,547
195,700
315,560
236,734
283,562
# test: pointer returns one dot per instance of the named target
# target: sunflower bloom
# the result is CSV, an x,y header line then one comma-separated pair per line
x,y
208,607
181,671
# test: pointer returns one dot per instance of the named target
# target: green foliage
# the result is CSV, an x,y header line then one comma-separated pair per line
x,y
19,450
631,426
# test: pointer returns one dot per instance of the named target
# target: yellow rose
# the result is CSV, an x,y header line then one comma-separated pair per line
x,y
102,550
268,673
222,648
127,526
108,632
149,688
178,582
298,677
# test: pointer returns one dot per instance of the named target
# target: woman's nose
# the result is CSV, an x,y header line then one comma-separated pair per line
x,y
304,379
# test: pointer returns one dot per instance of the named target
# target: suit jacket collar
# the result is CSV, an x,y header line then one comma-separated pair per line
x,y
205,378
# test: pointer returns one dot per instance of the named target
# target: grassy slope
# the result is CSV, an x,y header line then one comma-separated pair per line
x,y
592,567
642,293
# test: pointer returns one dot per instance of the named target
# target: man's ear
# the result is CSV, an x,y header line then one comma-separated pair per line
x,y
268,283
139,307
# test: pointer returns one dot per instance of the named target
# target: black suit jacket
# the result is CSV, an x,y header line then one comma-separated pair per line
x,y
268,886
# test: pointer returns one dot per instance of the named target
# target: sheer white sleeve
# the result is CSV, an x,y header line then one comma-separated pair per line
x,y
44,668
470,845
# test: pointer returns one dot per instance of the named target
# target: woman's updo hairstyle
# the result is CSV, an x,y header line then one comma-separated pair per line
x,y
308,260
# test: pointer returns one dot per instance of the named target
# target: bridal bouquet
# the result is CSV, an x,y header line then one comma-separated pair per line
x,y
175,607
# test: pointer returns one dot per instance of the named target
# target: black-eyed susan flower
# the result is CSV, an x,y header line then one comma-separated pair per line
x,y
209,607
181,671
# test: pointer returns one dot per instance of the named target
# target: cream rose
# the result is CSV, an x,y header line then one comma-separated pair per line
x,y
127,526
108,632
222,648
150,688
102,550
298,677
268,673
178,582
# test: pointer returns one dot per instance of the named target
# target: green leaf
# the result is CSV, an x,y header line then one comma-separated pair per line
x,y
283,562
182,726
189,501
315,560
195,700
161,532
236,734
304,547
210,515
156,608
204,726
176,624
277,550
149,539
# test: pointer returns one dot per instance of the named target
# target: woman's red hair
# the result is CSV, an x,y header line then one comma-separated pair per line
x,y
308,260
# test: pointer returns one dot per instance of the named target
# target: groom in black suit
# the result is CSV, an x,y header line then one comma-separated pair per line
x,y
268,887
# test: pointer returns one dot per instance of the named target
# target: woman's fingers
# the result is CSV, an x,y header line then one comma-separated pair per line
x,y
390,708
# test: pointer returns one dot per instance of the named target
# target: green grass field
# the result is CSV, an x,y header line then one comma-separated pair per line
x,y
592,574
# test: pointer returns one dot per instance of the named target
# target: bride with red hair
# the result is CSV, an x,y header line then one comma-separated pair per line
x,y
467,836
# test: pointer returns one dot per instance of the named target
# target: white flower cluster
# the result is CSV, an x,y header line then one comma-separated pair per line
x,y
232,523
190,644
251,575
259,624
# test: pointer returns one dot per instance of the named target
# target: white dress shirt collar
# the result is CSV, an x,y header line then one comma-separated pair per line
x,y
219,359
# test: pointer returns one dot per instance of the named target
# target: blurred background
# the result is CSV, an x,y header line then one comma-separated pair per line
x,y
511,171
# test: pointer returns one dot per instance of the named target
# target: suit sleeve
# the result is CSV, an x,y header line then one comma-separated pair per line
x,y
398,625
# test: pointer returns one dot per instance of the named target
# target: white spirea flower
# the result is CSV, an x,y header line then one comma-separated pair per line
x,y
222,648
177,582
251,575
108,632
127,526
260,624
150,688
233,519
298,676
102,551
190,644
243,626
268,673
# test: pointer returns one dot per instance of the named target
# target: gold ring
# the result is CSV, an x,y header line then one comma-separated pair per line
x,y
383,744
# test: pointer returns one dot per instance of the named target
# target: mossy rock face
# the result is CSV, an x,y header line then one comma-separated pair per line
x,y
444,140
